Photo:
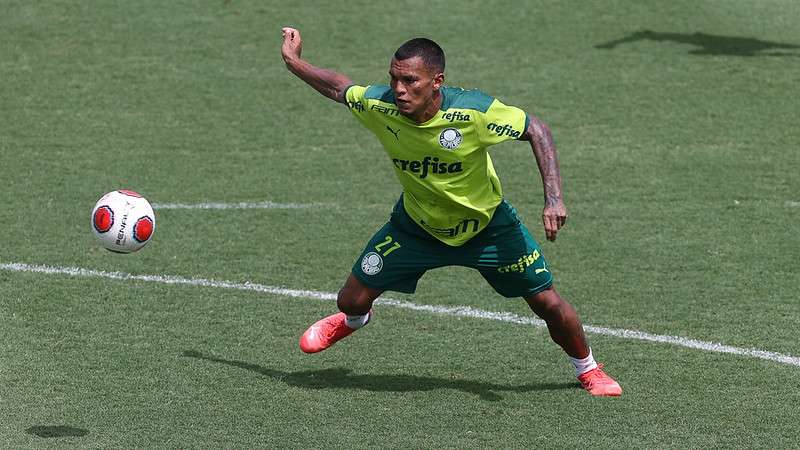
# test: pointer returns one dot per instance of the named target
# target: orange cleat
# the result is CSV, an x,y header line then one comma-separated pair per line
x,y
598,383
326,332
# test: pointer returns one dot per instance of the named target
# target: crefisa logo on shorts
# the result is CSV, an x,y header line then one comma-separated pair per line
x,y
372,263
450,138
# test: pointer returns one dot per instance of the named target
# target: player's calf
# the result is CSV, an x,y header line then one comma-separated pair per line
x,y
355,298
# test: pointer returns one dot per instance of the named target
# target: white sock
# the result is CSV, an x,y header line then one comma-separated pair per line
x,y
356,322
583,365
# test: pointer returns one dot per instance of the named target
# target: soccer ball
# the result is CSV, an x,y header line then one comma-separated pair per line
x,y
123,221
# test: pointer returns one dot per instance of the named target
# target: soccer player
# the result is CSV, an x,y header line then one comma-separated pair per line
x,y
452,210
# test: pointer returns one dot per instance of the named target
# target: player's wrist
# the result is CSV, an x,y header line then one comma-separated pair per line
x,y
290,61
553,199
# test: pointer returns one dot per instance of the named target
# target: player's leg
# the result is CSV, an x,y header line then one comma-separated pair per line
x,y
394,259
562,321
566,330
355,298
355,304
512,262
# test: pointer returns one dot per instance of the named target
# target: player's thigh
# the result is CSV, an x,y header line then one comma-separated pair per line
x,y
513,264
394,260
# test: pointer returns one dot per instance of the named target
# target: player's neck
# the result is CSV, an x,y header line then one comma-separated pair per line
x,y
430,111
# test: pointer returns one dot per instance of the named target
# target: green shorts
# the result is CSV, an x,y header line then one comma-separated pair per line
x,y
505,253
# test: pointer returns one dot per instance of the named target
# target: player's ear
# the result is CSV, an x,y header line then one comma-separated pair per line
x,y
438,80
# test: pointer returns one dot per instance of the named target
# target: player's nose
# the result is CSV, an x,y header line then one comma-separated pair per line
x,y
399,89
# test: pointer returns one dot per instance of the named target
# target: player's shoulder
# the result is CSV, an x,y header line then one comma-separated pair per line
x,y
460,98
380,93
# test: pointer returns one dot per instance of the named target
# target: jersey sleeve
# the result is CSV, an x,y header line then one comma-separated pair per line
x,y
356,99
502,123
354,95
357,102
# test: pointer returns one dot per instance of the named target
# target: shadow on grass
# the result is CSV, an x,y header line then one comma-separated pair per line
x,y
56,431
710,44
341,378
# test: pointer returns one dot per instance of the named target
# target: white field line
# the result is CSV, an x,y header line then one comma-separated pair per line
x,y
454,311
240,205
273,205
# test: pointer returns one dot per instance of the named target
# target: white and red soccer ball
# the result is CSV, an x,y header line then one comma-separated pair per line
x,y
123,221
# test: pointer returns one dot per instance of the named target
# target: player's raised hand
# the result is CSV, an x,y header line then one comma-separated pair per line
x,y
554,217
292,44
327,82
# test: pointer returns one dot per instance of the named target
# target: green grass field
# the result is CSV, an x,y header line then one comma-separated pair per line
x,y
676,124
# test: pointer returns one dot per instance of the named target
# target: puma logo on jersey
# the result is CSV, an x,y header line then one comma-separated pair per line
x,y
393,132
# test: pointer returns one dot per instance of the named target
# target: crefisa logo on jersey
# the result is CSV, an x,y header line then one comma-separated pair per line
x,y
450,138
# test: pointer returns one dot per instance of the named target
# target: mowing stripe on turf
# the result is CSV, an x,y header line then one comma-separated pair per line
x,y
456,311
240,205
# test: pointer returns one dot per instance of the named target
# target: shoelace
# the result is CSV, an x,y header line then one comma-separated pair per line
x,y
596,375
335,327
331,330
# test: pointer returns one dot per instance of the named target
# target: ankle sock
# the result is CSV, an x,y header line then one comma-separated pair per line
x,y
583,365
356,322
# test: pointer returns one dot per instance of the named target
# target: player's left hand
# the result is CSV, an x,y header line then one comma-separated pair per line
x,y
554,217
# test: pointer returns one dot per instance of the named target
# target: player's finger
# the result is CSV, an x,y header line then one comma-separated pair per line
x,y
550,227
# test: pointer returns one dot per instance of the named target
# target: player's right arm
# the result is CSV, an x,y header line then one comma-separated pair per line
x,y
327,82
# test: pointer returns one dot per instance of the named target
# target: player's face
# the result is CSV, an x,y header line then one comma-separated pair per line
x,y
416,87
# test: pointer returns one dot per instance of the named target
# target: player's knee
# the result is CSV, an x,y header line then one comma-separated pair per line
x,y
549,305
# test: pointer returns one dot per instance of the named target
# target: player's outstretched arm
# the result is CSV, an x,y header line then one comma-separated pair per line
x,y
327,82
554,215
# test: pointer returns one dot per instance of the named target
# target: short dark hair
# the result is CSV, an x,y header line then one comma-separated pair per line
x,y
430,52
